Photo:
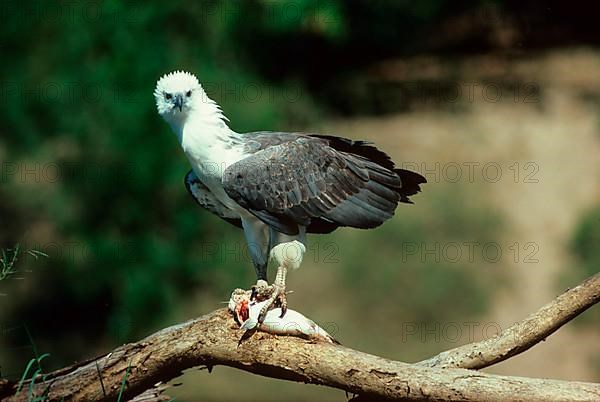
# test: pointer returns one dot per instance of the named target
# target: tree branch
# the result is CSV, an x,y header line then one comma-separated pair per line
x,y
524,334
213,340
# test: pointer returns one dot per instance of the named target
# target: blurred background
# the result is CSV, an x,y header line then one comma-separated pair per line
x,y
497,103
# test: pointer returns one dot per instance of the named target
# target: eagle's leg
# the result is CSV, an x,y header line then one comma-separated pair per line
x,y
279,286
277,295
258,239
261,273
288,255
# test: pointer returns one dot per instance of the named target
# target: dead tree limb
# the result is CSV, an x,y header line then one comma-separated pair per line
x,y
213,340
524,334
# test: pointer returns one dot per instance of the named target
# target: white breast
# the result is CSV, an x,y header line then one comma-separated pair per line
x,y
211,150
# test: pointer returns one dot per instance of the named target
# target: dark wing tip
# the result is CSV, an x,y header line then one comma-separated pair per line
x,y
410,184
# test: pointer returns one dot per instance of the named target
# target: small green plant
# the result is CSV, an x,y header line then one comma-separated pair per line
x,y
33,372
9,258
124,382
36,373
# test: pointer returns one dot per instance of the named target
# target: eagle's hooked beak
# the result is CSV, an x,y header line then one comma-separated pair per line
x,y
178,101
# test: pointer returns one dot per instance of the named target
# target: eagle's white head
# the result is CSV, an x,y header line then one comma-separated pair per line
x,y
175,92
180,96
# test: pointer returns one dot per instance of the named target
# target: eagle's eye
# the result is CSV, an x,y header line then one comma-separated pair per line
x,y
168,96
188,93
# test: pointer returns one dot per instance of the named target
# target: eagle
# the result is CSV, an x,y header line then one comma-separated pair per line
x,y
278,186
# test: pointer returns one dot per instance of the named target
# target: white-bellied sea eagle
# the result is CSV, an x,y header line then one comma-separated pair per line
x,y
278,186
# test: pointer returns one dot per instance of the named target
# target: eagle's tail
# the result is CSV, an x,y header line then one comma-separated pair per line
x,y
410,184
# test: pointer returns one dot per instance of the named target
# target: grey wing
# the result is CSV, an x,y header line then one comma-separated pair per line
x,y
302,179
207,200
